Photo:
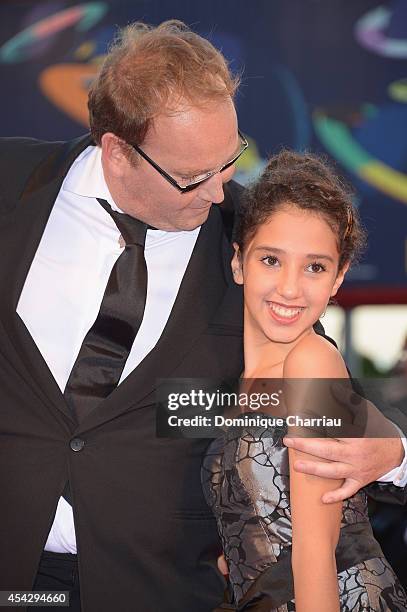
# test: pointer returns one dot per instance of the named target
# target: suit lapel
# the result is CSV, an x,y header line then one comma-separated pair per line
x,y
21,230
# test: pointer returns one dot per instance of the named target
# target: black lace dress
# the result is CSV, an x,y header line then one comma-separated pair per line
x,y
245,477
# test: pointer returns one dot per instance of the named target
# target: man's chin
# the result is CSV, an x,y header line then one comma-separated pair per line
x,y
196,219
187,222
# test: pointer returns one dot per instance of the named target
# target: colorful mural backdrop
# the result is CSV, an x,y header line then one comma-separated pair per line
x,y
325,75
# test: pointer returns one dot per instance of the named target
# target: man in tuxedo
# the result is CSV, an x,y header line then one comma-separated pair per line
x,y
93,314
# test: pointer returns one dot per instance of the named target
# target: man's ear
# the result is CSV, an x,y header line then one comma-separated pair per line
x,y
339,279
236,265
113,156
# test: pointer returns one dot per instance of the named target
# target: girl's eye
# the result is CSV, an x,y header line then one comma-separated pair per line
x,y
270,260
316,268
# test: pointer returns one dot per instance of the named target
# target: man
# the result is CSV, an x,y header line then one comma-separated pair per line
x,y
93,501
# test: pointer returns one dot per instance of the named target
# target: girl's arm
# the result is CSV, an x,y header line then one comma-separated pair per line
x,y
315,536
315,525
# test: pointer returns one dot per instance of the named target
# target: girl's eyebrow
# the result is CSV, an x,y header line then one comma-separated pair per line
x,y
265,247
282,252
319,256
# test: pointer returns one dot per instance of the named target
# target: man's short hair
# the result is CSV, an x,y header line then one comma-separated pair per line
x,y
149,71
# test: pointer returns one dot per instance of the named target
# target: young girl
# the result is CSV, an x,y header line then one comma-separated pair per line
x,y
296,235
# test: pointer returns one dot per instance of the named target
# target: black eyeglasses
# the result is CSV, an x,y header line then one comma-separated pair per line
x,y
191,183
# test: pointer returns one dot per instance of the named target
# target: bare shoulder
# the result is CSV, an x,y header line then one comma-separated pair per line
x,y
314,357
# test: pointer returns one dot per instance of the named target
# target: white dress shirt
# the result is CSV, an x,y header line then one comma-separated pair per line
x,y
64,287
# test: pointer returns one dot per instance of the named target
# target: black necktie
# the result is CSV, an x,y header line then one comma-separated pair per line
x,y
107,344
106,347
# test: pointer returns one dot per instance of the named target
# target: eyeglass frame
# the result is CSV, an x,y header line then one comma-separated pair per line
x,y
192,186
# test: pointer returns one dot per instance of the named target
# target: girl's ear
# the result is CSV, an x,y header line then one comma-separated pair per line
x,y
236,265
339,279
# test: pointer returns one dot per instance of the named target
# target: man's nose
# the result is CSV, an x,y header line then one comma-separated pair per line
x,y
212,189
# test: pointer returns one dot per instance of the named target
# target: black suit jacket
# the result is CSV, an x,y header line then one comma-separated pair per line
x,y
146,539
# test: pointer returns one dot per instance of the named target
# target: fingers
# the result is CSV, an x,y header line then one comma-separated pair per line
x,y
223,566
319,447
348,488
335,470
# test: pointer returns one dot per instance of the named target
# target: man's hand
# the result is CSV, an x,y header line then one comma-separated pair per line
x,y
358,461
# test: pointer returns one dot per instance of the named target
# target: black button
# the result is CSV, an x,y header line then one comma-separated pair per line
x,y
77,444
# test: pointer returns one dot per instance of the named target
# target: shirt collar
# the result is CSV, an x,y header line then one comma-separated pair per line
x,y
86,177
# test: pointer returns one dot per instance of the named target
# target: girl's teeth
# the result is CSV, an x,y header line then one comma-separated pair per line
x,y
285,312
